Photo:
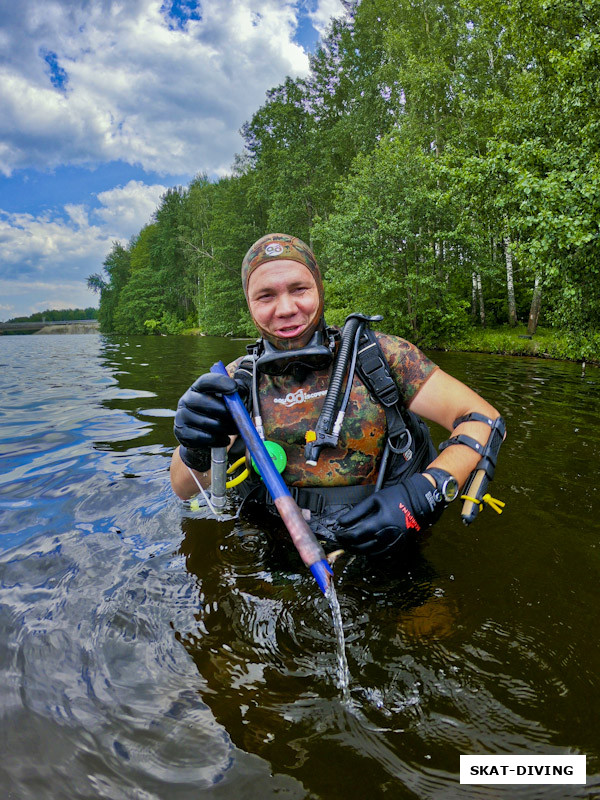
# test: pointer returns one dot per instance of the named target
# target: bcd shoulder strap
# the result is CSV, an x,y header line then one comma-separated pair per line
x,y
374,371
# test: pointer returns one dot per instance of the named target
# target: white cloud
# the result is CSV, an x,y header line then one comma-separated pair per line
x,y
74,245
126,209
77,214
26,297
325,10
37,245
133,89
84,83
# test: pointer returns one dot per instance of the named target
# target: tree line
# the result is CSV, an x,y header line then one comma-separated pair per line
x,y
442,160
54,315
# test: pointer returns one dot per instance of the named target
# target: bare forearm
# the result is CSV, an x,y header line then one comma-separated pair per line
x,y
182,482
443,399
460,460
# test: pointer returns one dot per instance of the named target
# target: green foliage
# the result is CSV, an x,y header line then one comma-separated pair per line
x,y
141,299
51,315
233,227
167,324
546,343
390,257
117,268
142,246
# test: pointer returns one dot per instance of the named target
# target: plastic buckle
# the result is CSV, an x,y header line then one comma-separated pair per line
x,y
385,388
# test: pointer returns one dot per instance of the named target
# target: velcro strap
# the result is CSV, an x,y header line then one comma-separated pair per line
x,y
462,439
378,374
474,416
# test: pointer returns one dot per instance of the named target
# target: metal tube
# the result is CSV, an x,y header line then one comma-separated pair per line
x,y
218,478
310,551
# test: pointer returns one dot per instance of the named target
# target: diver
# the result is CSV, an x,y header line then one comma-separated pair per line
x,y
346,407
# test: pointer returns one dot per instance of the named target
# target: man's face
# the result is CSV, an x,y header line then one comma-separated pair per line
x,y
283,299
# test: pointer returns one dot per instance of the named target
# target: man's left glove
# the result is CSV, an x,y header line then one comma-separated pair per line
x,y
376,526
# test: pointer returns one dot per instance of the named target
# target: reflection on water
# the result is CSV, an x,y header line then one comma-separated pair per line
x,y
148,651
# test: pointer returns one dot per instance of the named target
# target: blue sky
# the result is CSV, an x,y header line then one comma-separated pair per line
x,y
104,104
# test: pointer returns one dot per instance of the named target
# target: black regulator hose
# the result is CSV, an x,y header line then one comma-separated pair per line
x,y
322,435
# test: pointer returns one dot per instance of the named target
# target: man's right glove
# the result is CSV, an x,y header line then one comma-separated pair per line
x,y
379,524
202,420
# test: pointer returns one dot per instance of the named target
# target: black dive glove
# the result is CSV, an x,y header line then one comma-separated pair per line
x,y
377,525
202,420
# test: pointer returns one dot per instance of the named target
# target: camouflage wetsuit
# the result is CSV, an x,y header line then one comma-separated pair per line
x,y
289,408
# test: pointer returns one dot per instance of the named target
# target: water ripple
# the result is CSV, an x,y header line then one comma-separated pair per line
x,y
149,651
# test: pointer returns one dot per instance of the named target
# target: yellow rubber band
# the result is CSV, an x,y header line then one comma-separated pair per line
x,y
472,499
492,502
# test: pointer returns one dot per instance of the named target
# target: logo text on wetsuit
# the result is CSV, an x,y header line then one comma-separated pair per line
x,y
293,398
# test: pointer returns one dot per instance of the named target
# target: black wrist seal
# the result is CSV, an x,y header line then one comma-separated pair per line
x,y
195,459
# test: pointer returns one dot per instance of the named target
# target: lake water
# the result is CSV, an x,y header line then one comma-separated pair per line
x,y
147,651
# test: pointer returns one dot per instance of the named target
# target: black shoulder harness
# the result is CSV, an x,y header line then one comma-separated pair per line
x,y
374,371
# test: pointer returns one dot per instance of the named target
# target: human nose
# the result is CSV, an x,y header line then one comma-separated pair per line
x,y
286,306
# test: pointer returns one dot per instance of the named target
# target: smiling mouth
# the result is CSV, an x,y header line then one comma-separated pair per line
x,y
290,332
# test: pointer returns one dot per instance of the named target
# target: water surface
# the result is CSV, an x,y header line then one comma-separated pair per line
x,y
150,652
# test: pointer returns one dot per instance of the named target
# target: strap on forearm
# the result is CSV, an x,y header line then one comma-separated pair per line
x,y
489,451
476,495
468,441
474,416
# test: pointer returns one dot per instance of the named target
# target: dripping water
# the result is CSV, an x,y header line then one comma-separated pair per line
x,y
343,673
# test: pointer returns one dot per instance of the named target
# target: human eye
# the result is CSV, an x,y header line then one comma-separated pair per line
x,y
264,297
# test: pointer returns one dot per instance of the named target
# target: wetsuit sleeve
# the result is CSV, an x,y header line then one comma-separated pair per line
x,y
409,365
233,365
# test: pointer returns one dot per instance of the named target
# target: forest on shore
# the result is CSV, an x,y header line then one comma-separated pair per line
x,y
54,314
442,160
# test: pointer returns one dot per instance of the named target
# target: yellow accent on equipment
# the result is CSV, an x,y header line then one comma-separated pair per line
x,y
493,502
241,477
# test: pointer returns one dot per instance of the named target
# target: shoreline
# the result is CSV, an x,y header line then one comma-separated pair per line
x,y
546,343
591,361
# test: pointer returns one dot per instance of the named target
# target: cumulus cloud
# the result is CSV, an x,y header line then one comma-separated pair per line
x,y
125,209
106,80
325,10
74,243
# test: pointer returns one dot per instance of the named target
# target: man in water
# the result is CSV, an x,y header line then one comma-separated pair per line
x,y
371,488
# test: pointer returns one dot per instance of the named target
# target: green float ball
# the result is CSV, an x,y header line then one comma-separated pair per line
x,y
278,455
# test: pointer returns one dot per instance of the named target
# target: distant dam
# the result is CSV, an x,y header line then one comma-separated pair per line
x,y
56,326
